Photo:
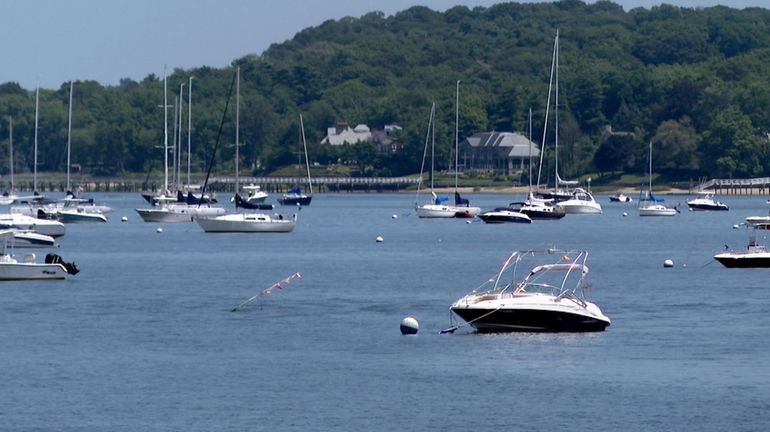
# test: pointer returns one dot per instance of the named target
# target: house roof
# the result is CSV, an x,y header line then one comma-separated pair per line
x,y
514,144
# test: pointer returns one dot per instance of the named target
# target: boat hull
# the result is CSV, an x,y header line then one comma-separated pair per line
x,y
302,200
499,217
31,271
178,214
760,260
249,223
580,207
528,320
656,210
435,211
708,207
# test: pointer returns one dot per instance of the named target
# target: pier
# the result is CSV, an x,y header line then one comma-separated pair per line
x,y
752,186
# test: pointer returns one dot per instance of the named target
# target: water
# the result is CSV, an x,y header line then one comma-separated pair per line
x,y
143,339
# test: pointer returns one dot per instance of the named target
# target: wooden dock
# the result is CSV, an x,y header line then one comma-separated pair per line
x,y
751,186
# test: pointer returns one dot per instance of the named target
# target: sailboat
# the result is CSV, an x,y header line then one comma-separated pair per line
x,y
648,203
463,208
537,208
244,221
167,208
579,200
295,195
435,208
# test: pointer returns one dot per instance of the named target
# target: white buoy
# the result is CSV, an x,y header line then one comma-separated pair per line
x,y
735,226
467,221
625,214
124,219
379,239
668,263
159,230
395,216
409,326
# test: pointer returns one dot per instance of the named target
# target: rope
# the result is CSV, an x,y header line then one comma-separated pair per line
x,y
453,328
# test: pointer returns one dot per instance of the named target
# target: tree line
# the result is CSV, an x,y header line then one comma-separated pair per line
x,y
692,81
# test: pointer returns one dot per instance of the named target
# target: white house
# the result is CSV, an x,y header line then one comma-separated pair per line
x,y
341,133
498,151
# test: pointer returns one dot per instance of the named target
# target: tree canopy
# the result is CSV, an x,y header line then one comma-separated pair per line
x,y
693,81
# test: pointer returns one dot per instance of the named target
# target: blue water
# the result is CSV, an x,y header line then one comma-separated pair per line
x,y
143,338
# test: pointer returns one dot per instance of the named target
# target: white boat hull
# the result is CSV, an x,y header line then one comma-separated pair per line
x,y
31,271
434,211
656,210
178,213
247,222
28,223
580,207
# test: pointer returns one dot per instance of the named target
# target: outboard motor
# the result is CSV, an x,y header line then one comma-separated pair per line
x,y
71,268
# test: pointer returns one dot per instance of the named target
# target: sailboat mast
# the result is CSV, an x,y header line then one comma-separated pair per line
x,y
304,145
547,108
178,162
529,144
189,126
237,123
34,167
165,131
69,136
457,127
10,148
175,139
425,151
556,119
650,170
432,152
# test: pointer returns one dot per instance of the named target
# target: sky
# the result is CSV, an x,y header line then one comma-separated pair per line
x,y
53,41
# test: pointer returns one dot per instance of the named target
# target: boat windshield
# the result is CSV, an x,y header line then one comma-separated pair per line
x,y
564,274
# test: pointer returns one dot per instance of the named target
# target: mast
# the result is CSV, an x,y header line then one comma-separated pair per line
x,y
457,127
650,170
179,137
189,126
165,131
34,167
237,123
69,136
10,147
547,107
173,151
529,130
304,145
556,119
425,152
432,152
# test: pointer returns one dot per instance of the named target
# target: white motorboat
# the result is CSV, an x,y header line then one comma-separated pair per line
x,y
31,239
581,202
255,194
754,256
11,269
539,209
247,222
620,197
706,201
504,215
179,212
79,215
540,302
23,222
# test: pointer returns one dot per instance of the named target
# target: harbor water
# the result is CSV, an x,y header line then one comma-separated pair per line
x,y
143,338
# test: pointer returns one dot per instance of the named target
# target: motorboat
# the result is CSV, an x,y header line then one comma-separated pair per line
x,y
581,202
295,196
758,222
247,222
255,194
179,212
620,197
13,269
31,239
537,209
550,298
707,202
28,223
504,215
754,256
80,215
240,202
